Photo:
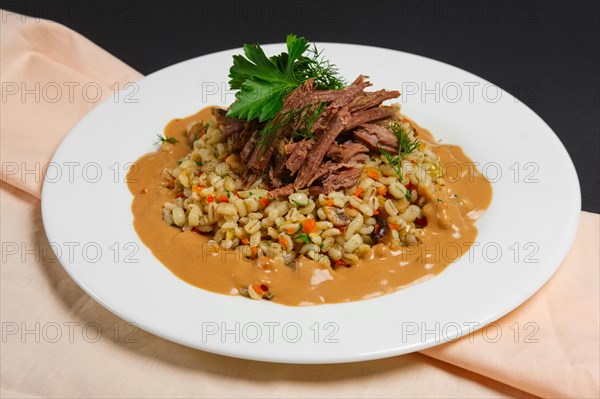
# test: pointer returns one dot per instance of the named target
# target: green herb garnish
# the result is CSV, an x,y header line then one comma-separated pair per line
x,y
301,120
198,163
407,195
162,139
405,146
303,237
263,82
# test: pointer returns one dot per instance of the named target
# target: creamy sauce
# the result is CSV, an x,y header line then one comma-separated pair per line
x,y
189,257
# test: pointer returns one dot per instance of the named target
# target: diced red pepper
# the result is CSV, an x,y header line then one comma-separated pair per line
x,y
210,198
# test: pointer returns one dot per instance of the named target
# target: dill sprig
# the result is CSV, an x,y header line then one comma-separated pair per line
x,y
406,145
300,120
162,139
314,65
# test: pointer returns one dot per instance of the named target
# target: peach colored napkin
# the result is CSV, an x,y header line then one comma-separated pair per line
x,y
547,347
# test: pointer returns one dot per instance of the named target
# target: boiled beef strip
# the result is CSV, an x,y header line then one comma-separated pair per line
x,y
369,115
344,152
342,121
281,192
347,96
249,148
278,175
372,99
317,153
297,99
228,125
377,137
298,155
341,180
329,167
316,190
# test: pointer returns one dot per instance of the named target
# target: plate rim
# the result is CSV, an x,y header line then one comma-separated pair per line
x,y
568,235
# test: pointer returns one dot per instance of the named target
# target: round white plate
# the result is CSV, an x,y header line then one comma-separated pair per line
x,y
522,240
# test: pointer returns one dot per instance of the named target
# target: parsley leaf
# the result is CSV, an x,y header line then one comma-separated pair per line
x,y
263,82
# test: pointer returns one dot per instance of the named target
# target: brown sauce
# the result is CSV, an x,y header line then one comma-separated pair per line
x,y
189,257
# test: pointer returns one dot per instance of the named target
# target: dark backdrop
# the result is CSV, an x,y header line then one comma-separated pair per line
x,y
545,53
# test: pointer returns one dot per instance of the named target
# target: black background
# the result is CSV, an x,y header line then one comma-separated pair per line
x,y
545,53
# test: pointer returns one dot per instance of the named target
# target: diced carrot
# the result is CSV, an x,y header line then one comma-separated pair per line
x,y
373,174
375,212
283,241
264,202
382,191
309,226
245,241
394,226
329,202
197,189
223,198
254,250
291,230
210,198
359,192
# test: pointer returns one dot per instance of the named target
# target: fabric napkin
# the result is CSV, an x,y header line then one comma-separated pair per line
x,y
547,347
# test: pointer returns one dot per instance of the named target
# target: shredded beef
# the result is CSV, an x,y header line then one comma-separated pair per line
x,y
376,137
370,100
343,153
228,125
320,163
281,192
278,173
344,179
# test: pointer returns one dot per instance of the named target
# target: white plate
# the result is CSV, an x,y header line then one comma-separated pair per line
x,y
523,237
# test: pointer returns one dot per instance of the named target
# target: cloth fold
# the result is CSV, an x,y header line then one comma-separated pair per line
x,y
51,77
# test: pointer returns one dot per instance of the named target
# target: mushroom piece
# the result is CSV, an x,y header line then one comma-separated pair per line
x,y
336,216
383,231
